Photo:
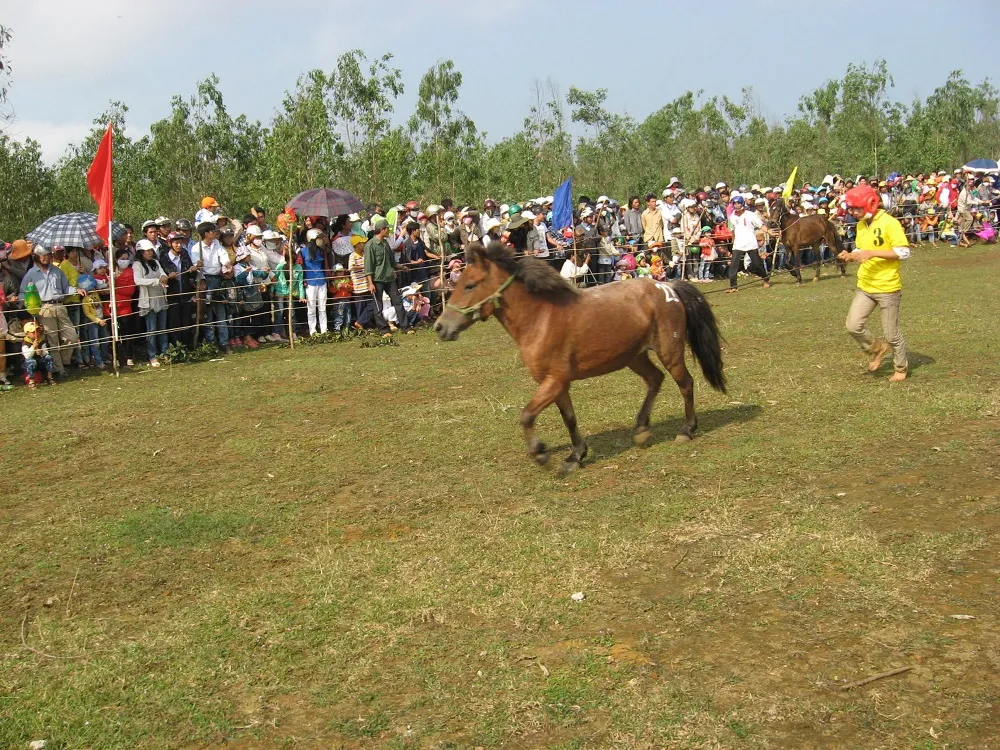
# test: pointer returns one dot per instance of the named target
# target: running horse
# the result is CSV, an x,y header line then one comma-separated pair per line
x,y
800,232
552,324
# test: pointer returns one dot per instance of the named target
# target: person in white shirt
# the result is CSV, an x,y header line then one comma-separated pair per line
x,y
744,225
574,272
671,218
214,259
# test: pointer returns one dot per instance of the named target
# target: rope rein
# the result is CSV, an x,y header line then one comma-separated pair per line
x,y
495,298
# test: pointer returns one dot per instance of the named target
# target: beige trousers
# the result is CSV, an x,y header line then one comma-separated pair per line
x,y
862,307
60,334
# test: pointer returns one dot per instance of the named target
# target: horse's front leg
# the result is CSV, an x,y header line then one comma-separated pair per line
x,y
547,393
575,459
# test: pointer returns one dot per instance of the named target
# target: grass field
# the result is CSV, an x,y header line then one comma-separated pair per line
x,y
348,547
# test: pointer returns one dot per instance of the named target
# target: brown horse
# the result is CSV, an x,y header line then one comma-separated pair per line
x,y
552,324
800,232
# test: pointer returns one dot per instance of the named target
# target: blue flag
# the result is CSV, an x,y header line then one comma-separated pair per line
x,y
562,205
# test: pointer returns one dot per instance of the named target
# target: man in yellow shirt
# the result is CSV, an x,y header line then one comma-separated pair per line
x,y
881,245
652,224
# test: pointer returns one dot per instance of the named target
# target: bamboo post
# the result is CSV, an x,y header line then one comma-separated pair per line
x,y
290,267
114,302
441,271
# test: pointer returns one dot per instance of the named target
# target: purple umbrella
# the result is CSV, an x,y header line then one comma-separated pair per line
x,y
326,202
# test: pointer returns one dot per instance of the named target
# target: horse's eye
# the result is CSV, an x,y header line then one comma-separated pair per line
x,y
470,286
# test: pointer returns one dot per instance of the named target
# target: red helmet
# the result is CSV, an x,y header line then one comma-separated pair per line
x,y
412,206
865,198
702,196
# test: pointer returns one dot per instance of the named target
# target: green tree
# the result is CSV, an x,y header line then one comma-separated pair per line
x,y
5,37
363,102
441,130
31,202
301,150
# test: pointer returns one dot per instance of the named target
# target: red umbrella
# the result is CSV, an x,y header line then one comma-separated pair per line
x,y
326,202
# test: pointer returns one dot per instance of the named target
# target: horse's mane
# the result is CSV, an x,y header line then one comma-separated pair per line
x,y
538,277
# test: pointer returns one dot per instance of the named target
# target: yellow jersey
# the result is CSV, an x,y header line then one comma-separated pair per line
x,y
878,275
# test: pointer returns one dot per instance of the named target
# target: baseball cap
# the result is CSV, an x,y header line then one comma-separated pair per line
x,y
209,202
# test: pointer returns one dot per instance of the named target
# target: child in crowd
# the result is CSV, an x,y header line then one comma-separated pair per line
x,y
625,267
708,256
417,306
983,229
454,272
656,269
643,270
341,289
929,223
93,312
948,233
723,237
35,352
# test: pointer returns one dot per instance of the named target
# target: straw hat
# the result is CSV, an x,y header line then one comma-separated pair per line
x,y
20,250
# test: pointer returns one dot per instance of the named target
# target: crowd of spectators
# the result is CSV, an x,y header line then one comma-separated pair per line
x,y
225,283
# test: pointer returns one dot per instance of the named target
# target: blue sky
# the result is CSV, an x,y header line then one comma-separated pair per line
x,y
70,57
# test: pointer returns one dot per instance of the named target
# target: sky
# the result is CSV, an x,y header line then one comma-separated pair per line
x,y
69,58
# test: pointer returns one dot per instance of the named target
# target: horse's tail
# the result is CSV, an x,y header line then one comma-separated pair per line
x,y
702,333
833,238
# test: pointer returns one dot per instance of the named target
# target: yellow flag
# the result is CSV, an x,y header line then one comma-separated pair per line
x,y
786,194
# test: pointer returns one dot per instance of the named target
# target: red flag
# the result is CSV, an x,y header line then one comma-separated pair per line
x,y
99,184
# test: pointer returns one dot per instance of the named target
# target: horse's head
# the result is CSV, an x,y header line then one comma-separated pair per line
x,y
477,293
777,211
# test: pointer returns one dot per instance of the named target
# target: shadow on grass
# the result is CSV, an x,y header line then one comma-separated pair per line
x,y
915,359
611,443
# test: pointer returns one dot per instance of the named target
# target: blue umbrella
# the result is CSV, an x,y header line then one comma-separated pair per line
x,y
981,165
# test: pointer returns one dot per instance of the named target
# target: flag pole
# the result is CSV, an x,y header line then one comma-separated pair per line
x,y
290,268
111,278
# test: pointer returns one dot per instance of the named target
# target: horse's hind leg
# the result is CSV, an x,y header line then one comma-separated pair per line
x,y
575,458
679,372
650,373
547,393
818,252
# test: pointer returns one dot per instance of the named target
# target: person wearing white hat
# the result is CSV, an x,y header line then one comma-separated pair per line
x,y
670,215
53,286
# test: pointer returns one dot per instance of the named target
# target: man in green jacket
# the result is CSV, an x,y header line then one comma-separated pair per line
x,y
380,268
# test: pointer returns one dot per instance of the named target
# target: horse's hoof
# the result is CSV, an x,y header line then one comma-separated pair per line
x,y
541,458
569,466
682,438
642,436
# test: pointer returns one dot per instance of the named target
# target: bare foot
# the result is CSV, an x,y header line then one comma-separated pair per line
x,y
880,352
897,377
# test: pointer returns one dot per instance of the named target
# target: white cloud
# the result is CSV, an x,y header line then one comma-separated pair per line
x,y
56,137
76,40
53,137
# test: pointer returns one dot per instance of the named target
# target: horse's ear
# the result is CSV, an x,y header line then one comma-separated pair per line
x,y
475,254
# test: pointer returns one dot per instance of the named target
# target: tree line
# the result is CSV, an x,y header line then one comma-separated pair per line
x,y
335,129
